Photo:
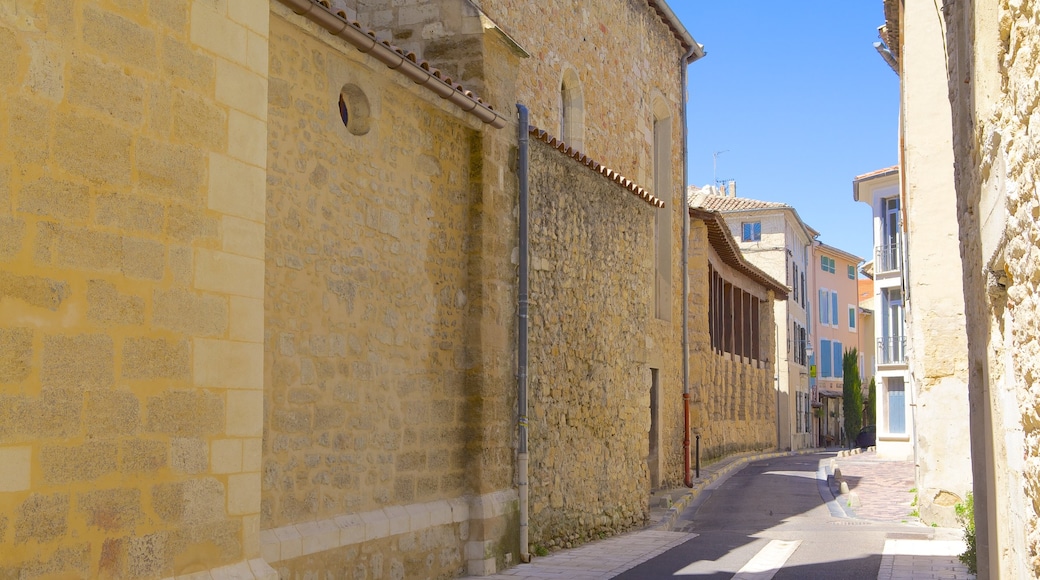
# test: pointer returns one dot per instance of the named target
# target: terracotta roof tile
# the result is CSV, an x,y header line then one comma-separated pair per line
x,y
610,174
724,203
339,24
878,173
727,249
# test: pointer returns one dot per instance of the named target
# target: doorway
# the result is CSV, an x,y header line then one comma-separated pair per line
x,y
653,463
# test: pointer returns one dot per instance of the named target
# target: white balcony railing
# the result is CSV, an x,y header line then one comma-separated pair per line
x,y
891,350
888,258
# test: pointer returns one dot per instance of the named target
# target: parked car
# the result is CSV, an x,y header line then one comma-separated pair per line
x,y
867,436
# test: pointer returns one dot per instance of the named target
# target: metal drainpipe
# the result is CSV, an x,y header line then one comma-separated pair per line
x,y
687,474
521,350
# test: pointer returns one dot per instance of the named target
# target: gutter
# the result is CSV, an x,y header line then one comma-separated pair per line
x,y
523,164
686,59
421,73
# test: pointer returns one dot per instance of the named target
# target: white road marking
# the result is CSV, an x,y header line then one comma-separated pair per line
x,y
768,561
924,547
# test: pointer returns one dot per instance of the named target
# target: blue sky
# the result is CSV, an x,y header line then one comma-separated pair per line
x,y
800,102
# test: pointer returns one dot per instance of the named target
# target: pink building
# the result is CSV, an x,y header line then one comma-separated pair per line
x,y
835,322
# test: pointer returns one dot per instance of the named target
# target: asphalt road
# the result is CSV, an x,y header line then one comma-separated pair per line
x,y
773,519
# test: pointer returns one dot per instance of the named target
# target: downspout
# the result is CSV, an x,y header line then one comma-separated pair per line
x,y
687,474
521,347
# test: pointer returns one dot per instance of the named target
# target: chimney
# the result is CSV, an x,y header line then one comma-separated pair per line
x,y
733,188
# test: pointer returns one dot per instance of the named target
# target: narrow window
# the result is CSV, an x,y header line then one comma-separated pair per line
x,y
662,166
751,232
825,358
572,110
896,405
852,317
834,308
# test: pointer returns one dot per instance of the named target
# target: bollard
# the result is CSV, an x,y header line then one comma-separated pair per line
x,y
698,462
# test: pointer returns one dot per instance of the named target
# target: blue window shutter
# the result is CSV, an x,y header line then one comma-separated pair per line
x,y
825,359
746,234
852,318
834,308
837,359
824,308
758,231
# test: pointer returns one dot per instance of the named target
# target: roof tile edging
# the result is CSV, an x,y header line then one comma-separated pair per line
x,y
419,71
585,160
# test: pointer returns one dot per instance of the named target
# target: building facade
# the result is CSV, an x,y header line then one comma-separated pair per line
x,y
734,399
936,346
259,287
895,422
773,238
835,330
992,65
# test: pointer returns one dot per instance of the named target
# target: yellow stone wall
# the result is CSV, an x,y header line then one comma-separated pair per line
x,y
734,401
591,283
132,157
992,51
390,320
370,289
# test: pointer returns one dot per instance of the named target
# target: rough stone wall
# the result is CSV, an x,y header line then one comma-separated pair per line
x,y
390,314
370,286
591,292
733,404
992,49
132,157
627,63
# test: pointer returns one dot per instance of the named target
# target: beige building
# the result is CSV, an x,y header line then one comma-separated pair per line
x,y
993,64
893,407
923,218
835,329
773,237
261,269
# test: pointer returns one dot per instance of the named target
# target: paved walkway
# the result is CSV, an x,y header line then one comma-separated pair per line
x,y
879,490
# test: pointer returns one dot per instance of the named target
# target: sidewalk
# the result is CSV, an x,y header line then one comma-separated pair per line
x,y
608,558
880,490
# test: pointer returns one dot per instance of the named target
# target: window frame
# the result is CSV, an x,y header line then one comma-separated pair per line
x,y
752,234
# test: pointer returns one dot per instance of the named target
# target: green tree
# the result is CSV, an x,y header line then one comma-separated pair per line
x,y
852,394
870,406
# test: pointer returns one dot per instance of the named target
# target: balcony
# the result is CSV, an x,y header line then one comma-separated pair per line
x,y
888,258
891,350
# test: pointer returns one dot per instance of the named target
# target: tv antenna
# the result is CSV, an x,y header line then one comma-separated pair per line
x,y
715,166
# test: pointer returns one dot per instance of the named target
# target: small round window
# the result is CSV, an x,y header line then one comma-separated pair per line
x,y
354,110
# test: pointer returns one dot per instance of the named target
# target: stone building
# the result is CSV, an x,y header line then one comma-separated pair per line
x,y
922,221
734,403
259,285
896,424
992,58
773,237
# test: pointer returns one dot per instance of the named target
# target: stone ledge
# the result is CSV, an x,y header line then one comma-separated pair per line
x,y
255,569
293,541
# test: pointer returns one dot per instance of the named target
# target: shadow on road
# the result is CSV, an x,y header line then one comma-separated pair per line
x,y
726,532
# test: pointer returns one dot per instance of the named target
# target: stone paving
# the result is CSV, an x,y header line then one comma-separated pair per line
x,y
879,490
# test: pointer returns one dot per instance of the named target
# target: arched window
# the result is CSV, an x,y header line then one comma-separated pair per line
x,y
661,157
572,110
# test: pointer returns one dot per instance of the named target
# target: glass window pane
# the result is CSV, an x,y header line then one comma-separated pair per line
x,y
896,406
